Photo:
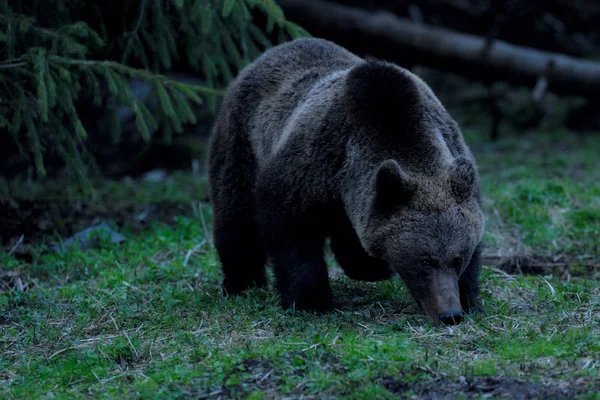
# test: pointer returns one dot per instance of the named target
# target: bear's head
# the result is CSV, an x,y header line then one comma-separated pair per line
x,y
427,229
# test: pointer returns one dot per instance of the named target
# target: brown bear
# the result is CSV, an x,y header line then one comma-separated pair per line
x,y
312,141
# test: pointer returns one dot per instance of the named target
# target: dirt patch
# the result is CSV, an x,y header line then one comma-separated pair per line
x,y
394,385
265,377
29,222
499,387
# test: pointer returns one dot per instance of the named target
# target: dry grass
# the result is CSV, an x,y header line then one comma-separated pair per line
x,y
146,318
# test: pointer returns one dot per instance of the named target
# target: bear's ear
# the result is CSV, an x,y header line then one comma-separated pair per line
x,y
392,186
462,179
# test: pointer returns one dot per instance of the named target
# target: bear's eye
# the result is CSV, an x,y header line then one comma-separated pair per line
x,y
457,262
426,262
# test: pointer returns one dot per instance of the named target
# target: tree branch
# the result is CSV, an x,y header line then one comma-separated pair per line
x,y
134,33
13,64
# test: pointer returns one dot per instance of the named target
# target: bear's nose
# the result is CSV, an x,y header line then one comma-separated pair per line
x,y
452,317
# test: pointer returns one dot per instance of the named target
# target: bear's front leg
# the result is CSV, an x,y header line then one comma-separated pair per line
x,y
468,285
351,256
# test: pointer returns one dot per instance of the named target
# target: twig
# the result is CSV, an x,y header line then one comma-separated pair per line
x,y
541,86
67,349
191,251
298,386
312,346
134,32
10,39
16,246
204,226
13,65
504,273
265,376
552,290
99,381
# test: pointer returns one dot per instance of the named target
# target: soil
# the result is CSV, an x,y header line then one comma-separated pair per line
x,y
44,221
264,377
492,387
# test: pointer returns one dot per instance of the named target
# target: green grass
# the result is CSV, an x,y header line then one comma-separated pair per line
x,y
542,193
146,319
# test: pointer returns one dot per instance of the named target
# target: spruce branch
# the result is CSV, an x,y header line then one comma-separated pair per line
x,y
136,73
27,24
51,61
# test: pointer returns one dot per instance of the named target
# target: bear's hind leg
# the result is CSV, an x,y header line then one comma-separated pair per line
x,y
241,254
232,174
351,256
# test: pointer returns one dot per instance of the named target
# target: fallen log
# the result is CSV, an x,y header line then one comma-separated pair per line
x,y
382,34
562,26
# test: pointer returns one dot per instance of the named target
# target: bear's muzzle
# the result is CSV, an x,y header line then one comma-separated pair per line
x,y
442,302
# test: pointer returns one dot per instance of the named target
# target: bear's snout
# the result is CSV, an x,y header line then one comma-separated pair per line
x,y
442,302
452,317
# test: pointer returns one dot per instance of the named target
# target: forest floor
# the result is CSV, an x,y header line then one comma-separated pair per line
x,y
145,318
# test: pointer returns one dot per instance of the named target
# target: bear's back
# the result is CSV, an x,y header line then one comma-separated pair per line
x,y
296,94
266,93
299,61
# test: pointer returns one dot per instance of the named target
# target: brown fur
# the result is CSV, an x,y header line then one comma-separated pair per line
x,y
312,141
